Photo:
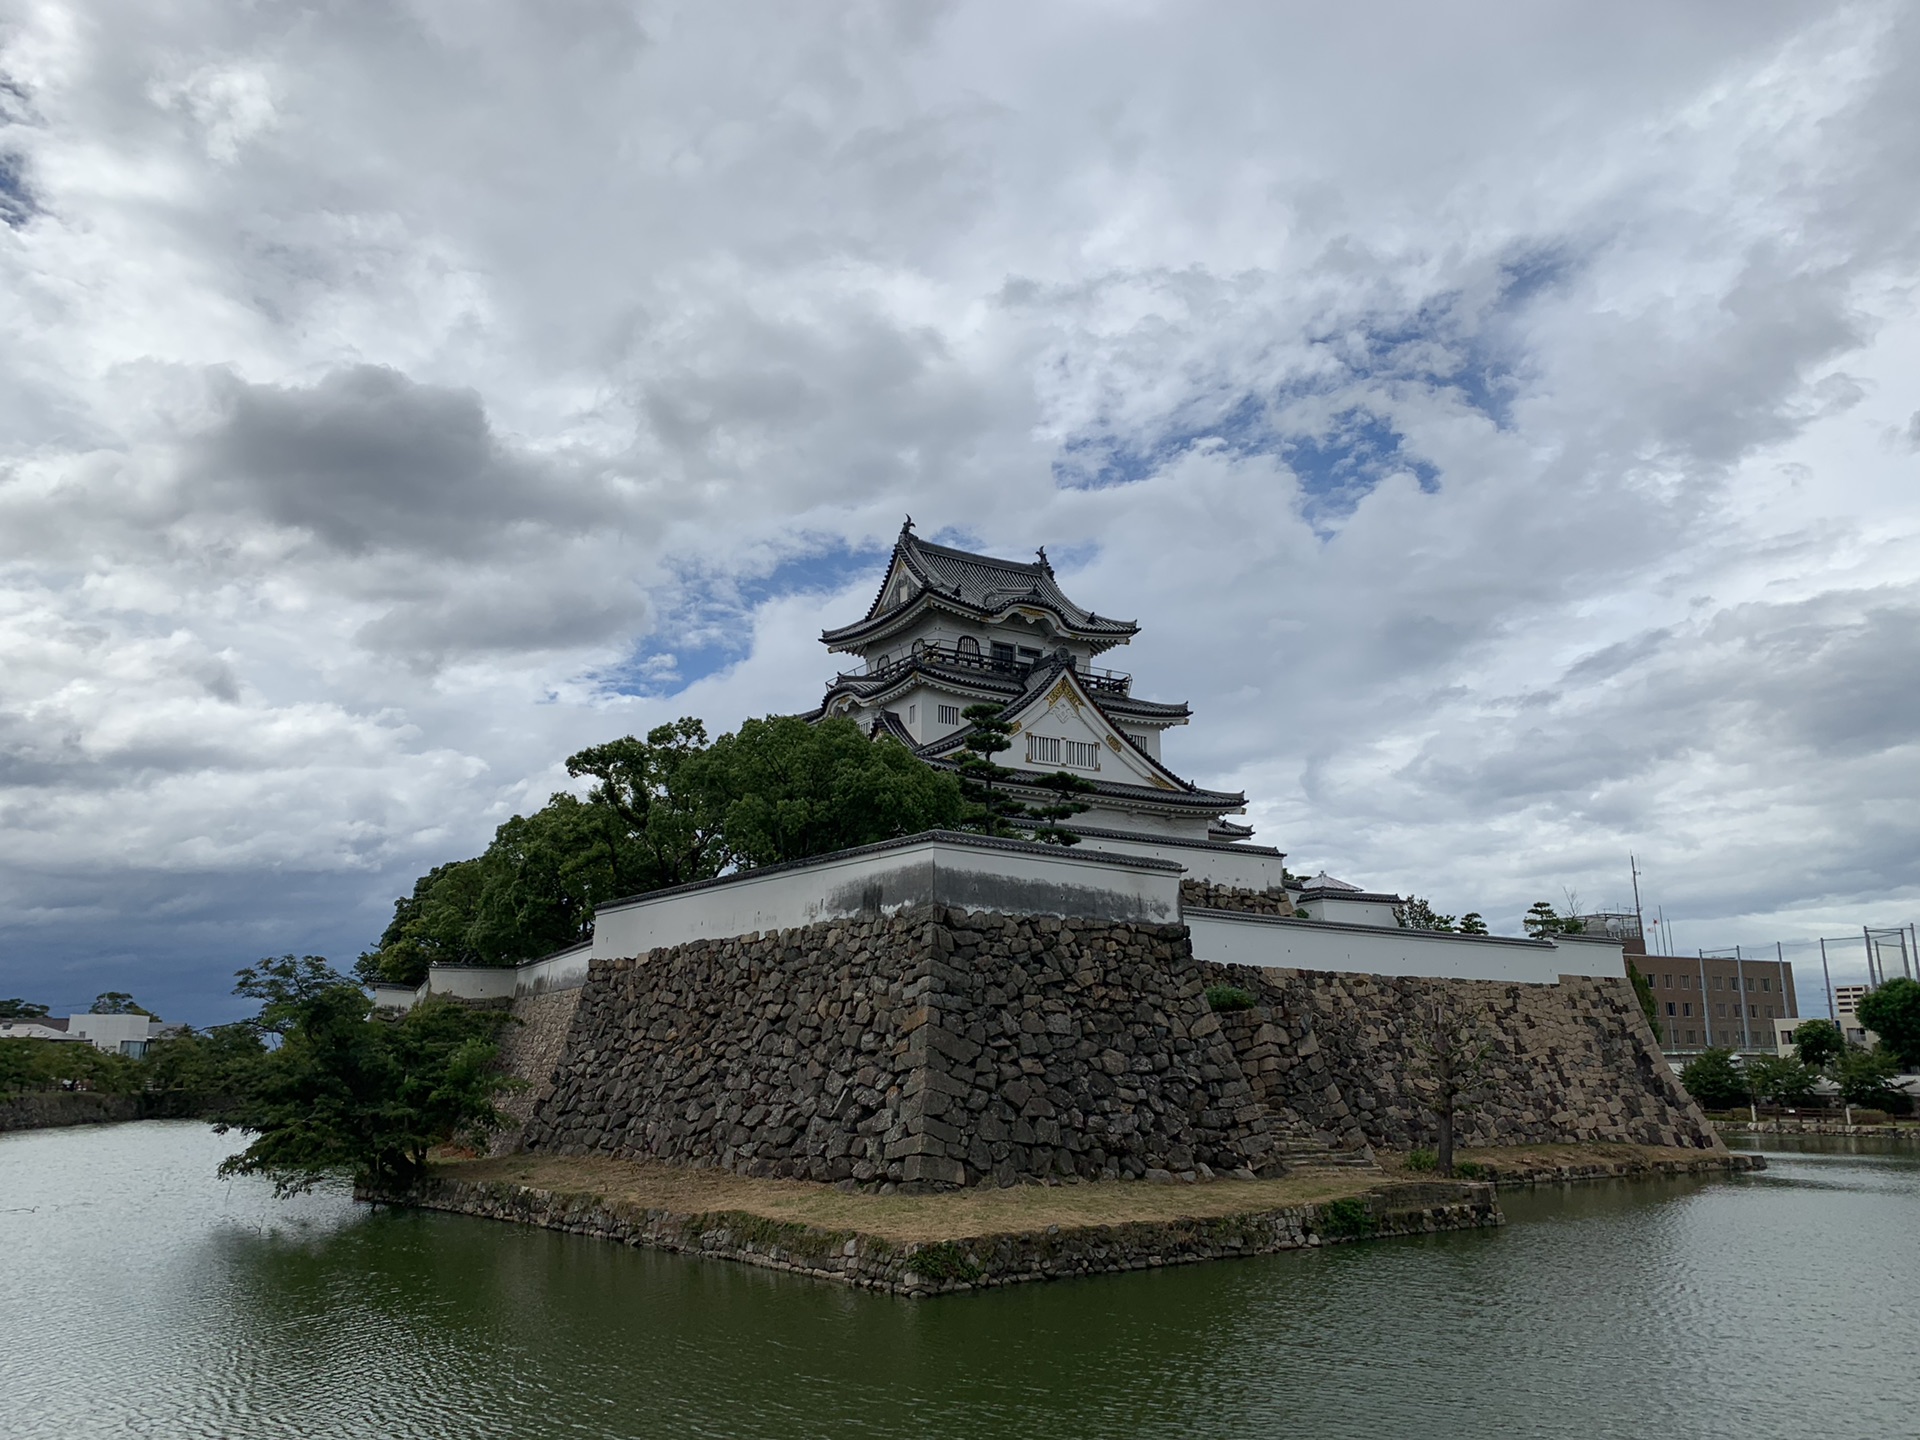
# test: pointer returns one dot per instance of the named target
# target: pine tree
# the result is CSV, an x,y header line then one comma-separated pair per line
x,y
983,784
1066,787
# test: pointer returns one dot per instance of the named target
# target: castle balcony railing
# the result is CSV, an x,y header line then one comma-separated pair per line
x,y
932,653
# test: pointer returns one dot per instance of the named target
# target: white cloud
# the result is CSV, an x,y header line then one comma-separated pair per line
x,y
1501,420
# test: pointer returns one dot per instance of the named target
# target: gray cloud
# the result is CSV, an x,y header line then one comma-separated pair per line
x,y
383,389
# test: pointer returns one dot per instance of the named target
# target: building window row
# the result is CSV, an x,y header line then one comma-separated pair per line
x,y
1051,750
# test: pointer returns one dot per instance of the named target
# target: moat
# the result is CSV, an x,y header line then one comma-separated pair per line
x,y
149,1297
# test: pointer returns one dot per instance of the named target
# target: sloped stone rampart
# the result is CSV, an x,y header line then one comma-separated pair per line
x,y
1339,1054
935,1047
530,1049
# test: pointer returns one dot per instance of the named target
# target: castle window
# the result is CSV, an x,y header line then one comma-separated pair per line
x,y
1002,656
967,645
949,714
1043,750
1083,754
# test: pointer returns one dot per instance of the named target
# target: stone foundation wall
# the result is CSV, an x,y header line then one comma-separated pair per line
x,y
979,1262
1339,1054
1205,895
530,1049
49,1109
933,1047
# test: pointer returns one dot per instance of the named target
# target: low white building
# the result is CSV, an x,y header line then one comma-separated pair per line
x,y
115,1034
38,1027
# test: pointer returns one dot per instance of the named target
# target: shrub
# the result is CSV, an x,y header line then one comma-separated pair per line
x,y
945,1260
1469,1169
1869,1117
1714,1079
1230,997
1343,1219
1422,1160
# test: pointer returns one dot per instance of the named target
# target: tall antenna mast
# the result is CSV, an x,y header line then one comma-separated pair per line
x,y
1633,868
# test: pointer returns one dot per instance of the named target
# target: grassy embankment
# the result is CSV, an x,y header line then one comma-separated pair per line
x,y
966,1214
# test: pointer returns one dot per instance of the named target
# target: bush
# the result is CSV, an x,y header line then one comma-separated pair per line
x,y
1422,1160
1230,997
944,1260
1714,1080
1343,1219
1469,1169
1869,1117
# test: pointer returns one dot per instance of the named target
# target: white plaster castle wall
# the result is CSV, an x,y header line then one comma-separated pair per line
x,y
1349,912
940,869
1231,938
1240,869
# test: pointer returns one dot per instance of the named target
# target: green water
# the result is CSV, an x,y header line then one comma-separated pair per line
x,y
145,1297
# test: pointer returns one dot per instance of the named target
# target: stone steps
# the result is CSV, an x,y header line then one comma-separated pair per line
x,y
1300,1150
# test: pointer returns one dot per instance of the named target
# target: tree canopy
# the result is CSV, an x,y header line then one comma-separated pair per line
x,y
1817,1043
1892,1011
661,811
348,1090
1713,1079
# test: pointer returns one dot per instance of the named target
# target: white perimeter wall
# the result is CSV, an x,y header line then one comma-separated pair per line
x,y
941,870
1226,938
1241,869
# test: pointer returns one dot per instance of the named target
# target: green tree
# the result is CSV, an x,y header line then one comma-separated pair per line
x,y
17,1009
1542,921
1066,789
432,926
1778,1080
1453,1054
1818,1043
1417,914
1713,1079
1865,1077
1473,923
204,1070
56,1064
785,790
991,806
347,1091
1892,1011
658,829
115,1002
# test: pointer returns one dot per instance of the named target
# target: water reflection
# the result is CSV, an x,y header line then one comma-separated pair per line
x,y
165,1302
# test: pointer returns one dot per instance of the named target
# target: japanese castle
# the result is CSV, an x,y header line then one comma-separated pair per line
x,y
949,629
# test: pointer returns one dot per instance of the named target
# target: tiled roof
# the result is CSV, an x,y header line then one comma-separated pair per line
x,y
985,585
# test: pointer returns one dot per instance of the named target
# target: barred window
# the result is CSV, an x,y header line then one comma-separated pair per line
x,y
1043,750
949,714
1083,754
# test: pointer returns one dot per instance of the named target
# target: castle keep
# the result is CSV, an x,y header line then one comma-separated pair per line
x,y
950,1009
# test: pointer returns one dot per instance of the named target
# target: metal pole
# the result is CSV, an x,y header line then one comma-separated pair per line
x,y
1706,1009
1740,987
1833,1013
1793,1013
1633,869
1866,939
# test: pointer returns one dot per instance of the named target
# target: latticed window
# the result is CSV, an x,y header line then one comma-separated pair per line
x,y
1083,755
949,714
1043,750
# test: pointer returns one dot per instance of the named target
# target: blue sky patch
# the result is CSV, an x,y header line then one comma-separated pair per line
x,y
1445,346
704,619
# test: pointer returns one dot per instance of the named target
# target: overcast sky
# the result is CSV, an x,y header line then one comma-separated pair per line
x,y
1502,419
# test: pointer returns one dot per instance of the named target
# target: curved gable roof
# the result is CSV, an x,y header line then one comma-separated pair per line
x,y
980,585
